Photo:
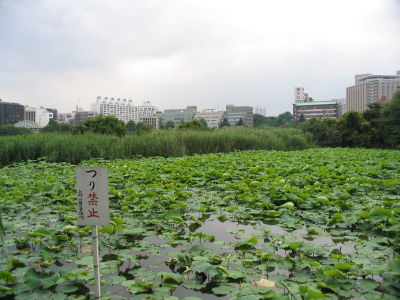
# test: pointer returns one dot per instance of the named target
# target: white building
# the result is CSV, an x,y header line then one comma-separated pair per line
x,y
123,109
260,110
300,95
43,116
370,88
212,117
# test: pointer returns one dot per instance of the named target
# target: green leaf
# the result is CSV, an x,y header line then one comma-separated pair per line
x,y
36,280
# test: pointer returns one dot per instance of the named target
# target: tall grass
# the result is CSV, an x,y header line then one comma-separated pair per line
x,y
75,148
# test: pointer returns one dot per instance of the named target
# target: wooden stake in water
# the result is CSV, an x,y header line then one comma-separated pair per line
x,y
96,263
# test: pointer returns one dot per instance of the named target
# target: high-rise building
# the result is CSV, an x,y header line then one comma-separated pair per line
x,y
371,88
260,110
11,113
235,113
123,109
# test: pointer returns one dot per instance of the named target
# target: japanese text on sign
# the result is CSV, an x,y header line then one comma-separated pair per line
x,y
92,195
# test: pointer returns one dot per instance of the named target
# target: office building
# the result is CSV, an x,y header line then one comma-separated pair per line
x,y
178,116
235,113
369,88
11,113
212,117
316,109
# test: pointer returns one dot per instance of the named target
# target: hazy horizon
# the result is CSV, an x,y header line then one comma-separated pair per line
x,y
180,53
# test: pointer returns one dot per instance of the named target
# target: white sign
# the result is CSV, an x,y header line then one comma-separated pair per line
x,y
92,193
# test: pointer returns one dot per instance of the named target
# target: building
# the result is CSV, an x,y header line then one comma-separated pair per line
x,y
300,95
54,112
123,109
11,113
235,113
43,116
178,116
212,117
260,110
30,113
316,109
65,118
79,116
369,88
153,121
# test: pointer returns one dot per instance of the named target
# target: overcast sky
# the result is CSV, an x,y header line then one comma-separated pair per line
x,y
209,53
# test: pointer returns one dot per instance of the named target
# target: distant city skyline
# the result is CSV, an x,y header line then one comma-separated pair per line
x,y
204,53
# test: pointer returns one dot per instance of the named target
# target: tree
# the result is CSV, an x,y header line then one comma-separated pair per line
x,y
169,124
324,132
240,122
55,127
105,125
302,118
259,120
351,126
142,128
371,135
9,129
389,121
131,126
194,125
224,123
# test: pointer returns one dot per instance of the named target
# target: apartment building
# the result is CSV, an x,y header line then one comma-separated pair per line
x,y
370,88
123,109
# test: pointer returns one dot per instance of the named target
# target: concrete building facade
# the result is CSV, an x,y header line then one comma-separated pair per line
x,y
123,109
178,116
11,113
43,116
235,113
316,109
30,113
369,88
212,117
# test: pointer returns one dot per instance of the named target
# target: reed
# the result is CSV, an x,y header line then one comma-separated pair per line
x,y
75,148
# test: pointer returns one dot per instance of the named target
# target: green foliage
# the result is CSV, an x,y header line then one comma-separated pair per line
x,y
240,122
131,126
324,131
9,129
75,148
109,125
55,127
259,120
378,127
390,121
316,224
169,124
193,125
224,123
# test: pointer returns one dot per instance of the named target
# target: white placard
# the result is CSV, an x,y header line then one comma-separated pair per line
x,y
92,194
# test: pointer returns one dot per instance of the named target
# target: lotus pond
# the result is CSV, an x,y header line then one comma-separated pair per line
x,y
312,224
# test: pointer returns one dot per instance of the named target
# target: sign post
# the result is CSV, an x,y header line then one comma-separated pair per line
x,y
93,208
